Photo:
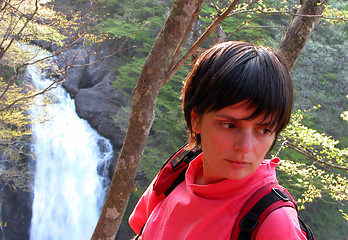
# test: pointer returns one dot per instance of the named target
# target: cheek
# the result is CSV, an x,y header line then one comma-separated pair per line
x,y
265,145
215,142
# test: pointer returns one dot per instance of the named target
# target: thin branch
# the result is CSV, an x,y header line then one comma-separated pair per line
x,y
243,24
100,59
211,28
287,12
21,30
280,149
74,40
262,27
5,161
320,16
311,156
338,203
216,7
17,69
4,50
183,40
55,83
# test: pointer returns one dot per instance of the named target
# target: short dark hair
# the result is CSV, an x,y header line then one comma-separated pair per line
x,y
232,72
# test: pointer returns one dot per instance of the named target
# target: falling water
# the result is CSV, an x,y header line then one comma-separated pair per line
x,y
68,191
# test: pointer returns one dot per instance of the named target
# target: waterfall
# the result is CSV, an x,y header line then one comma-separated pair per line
x,y
71,161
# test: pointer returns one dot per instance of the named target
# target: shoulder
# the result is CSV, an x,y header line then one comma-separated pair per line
x,y
146,204
280,223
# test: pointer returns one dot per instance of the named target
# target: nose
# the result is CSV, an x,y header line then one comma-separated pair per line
x,y
243,142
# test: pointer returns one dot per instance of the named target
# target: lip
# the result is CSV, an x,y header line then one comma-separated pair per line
x,y
237,163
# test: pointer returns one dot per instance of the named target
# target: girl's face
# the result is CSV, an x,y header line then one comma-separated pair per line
x,y
233,146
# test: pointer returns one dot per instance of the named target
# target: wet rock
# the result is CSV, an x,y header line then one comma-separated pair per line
x,y
97,101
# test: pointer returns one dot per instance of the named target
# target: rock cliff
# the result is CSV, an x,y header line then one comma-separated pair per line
x,y
89,82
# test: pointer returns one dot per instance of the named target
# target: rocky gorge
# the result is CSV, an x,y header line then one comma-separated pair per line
x,y
89,83
97,101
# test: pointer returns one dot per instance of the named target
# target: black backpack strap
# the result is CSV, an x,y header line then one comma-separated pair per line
x,y
305,228
256,208
138,237
182,155
250,221
185,157
173,172
177,181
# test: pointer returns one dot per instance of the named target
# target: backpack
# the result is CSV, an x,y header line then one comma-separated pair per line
x,y
253,213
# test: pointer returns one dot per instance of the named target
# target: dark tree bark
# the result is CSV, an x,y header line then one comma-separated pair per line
x,y
300,29
142,115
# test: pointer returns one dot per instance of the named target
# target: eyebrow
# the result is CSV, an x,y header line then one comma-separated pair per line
x,y
230,118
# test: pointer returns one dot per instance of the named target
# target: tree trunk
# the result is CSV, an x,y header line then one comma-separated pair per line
x,y
142,115
300,29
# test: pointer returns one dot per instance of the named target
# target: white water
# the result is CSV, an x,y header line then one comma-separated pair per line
x,y
68,192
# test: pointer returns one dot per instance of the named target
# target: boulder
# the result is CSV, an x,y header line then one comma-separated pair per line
x,y
76,62
98,105
15,213
89,81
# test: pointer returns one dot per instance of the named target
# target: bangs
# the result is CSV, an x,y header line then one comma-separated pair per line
x,y
257,78
235,72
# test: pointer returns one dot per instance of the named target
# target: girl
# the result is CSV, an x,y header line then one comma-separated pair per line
x,y
236,101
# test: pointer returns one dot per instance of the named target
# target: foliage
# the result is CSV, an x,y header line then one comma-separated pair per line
x,y
320,171
128,74
15,132
261,21
26,21
320,77
138,21
244,23
344,115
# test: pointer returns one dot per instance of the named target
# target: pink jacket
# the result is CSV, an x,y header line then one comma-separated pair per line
x,y
194,211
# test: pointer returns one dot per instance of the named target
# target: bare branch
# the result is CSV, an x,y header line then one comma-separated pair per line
x,y
211,28
287,12
318,16
217,8
55,83
9,84
105,57
262,27
243,24
30,18
17,69
311,156
183,40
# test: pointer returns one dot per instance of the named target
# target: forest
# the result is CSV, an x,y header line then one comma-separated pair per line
x,y
119,35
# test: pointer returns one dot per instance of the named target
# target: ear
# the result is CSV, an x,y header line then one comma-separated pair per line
x,y
194,122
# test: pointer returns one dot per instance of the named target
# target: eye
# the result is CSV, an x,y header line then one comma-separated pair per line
x,y
228,125
266,131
